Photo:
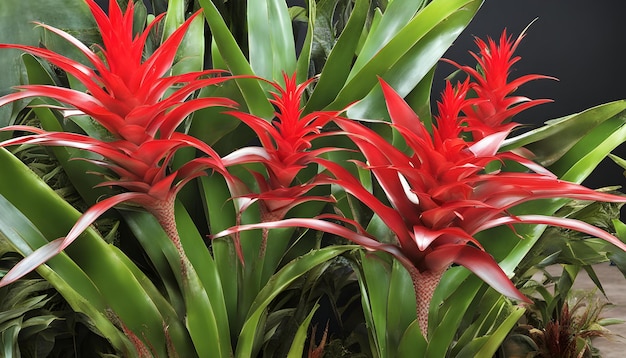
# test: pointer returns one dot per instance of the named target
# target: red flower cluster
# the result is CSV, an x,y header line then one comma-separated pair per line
x,y
127,96
443,191
286,150
495,107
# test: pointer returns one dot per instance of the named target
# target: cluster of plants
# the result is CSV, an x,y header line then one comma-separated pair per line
x,y
232,178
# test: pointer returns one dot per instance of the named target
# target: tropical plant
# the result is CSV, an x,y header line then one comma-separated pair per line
x,y
238,167
568,333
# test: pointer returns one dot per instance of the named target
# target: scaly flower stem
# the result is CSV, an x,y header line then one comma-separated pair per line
x,y
424,284
163,211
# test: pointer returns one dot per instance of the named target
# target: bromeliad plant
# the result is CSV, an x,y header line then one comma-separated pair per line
x,y
125,95
192,178
447,187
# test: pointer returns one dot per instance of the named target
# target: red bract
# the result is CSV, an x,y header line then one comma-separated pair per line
x,y
285,150
442,194
286,140
494,107
126,95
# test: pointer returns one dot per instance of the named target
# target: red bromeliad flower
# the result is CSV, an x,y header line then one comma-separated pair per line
x,y
126,95
495,107
442,193
285,150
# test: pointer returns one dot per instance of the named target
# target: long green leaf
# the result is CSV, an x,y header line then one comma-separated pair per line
x,y
54,217
260,45
210,333
445,326
583,157
488,346
270,39
552,140
339,62
304,59
297,346
234,58
205,316
208,283
61,272
429,26
376,274
401,309
413,343
395,17
177,333
416,62
190,54
221,215
159,250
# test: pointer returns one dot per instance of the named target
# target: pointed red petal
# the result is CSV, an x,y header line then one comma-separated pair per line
x,y
94,212
46,252
401,113
477,261
322,225
560,222
32,261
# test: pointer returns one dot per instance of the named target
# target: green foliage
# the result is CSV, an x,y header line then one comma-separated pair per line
x,y
37,322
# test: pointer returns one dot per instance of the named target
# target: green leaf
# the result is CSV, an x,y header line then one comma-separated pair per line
x,y
190,54
551,141
444,322
413,343
221,215
207,283
211,124
177,333
35,70
376,272
401,309
488,345
297,345
585,155
270,39
54,217
411,53
210,332
395,17
158,247
233,57
304,59
339,62
61,272
200,300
